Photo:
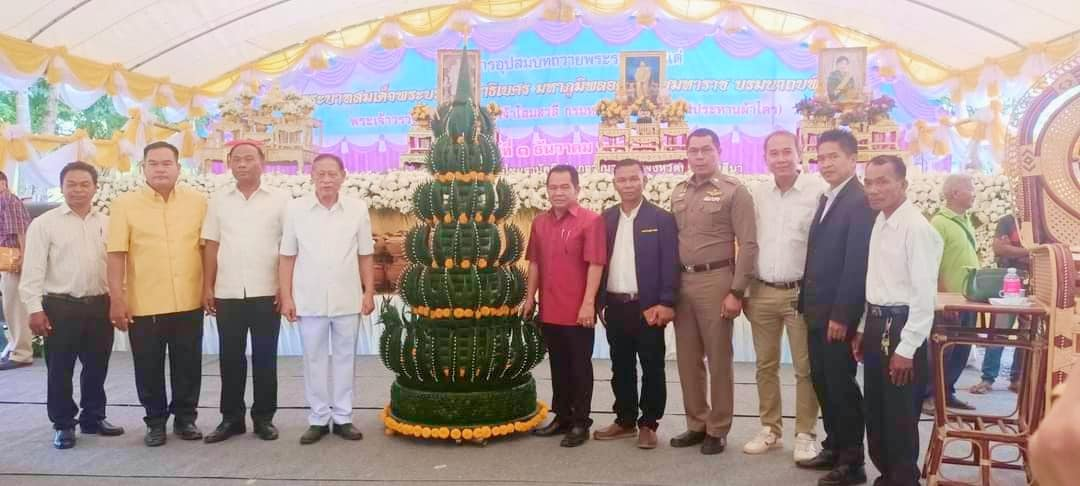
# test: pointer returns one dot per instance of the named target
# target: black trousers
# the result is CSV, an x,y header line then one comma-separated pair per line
x,y
832,369
235,319
180,334
81,331
570,355
631,339
956,358
892,412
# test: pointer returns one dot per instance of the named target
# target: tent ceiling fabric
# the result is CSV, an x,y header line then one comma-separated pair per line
x,y
194,41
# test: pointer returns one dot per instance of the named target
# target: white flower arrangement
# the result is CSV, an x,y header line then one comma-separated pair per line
x,y
393,191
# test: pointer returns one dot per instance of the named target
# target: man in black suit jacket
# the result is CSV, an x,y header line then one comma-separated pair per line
x,y
833,298
637,298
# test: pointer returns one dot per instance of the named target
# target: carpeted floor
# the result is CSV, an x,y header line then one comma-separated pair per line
x,y
29,459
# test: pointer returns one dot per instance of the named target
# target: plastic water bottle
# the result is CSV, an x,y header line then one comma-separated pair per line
x,y
1012,287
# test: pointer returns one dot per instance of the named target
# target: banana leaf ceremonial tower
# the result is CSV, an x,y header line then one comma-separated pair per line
x,y
461,354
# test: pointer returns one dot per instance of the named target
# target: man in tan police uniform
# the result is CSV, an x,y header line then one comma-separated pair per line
x,y
712,211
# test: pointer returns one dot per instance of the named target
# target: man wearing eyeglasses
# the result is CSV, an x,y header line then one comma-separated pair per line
x,y
713,212
567,252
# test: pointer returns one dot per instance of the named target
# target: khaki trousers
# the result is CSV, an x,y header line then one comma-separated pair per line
x,y
701,336
20,346
771,311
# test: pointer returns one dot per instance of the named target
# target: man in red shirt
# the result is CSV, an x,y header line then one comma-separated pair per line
x,y
567,252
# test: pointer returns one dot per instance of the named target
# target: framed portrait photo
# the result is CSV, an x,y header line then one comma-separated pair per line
x,y
842,74
642,74
448,66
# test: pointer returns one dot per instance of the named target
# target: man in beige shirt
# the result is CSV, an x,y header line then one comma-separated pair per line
x,y
713,211
155,290
64,288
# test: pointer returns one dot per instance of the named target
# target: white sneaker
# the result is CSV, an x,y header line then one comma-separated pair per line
x,y
764,441
806,447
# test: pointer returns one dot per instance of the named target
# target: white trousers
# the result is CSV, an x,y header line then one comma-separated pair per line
x,y
329,355
19,347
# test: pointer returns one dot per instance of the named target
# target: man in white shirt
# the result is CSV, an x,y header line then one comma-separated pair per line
x,y
327,279
64,287
242,232
785,208
901,287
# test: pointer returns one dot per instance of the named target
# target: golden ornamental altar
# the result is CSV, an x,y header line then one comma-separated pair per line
x,y
875,133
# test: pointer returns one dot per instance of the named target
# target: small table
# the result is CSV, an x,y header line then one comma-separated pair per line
x,y
977,429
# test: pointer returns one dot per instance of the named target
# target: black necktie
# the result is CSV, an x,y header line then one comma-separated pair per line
x,y
821,208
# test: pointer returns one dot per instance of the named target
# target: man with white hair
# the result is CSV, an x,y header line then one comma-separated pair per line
x,y
954,225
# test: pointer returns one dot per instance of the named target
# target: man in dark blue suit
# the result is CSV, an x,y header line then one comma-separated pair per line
x,y
832,300
637,300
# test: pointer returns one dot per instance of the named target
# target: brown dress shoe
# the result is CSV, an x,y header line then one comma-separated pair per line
x,y
646,438
614,431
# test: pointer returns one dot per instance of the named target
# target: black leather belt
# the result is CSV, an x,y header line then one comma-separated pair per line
x,y
705,267
622,298
883,311
780,285
93,299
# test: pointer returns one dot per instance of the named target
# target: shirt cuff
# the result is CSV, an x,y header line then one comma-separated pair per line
x,y
32,307
906,350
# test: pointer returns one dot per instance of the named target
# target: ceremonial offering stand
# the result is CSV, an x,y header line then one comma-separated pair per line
x,y
985,433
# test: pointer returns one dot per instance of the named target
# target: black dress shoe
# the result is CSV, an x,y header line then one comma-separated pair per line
x,y
347,432
8,364
187,431
225,430
844,475
314,433
713,445
575,437
688,439
824,461
552,429
155,436
101,427
266,431
64,438
957,404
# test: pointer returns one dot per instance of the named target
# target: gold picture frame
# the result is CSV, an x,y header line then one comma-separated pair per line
x,y
642,71
842,74
447,67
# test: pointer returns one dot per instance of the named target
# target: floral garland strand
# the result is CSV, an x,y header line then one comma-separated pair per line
x,y
393,190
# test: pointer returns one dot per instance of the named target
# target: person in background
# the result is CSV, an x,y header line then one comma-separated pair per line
x,y
637,300
905,251
566,254
327,280
832,300
155,290
65,289
954,224
714,212
14,219
1010,253
785,209
242,232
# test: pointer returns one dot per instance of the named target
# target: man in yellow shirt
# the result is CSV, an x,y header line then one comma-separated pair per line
x,y
155,289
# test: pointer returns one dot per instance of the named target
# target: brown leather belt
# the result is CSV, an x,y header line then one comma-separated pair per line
x,y
705,267
622,298
780,285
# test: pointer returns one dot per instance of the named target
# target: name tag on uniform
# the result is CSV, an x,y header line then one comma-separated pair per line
x,y
715,192
712,199
649,230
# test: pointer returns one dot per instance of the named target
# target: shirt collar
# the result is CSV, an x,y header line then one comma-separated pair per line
x,y
65,210
948,213
801,180
832,192
634,212
234,189
571,211
316,204
900,214
714,180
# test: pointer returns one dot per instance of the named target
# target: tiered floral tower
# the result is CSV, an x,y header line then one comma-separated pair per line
x,y
461,354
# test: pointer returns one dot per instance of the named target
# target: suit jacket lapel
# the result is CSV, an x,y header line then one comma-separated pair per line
x,y
845,192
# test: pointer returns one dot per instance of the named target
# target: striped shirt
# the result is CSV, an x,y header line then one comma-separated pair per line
x,y
14,219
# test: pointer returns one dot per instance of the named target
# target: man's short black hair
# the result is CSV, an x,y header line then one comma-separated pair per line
x,y
3,176
569,169
845,139
843,59
898,166
249,144
335,158
77,166
628,162
706,132
159,145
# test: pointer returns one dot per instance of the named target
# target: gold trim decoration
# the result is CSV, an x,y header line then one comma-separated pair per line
x,y
463,433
